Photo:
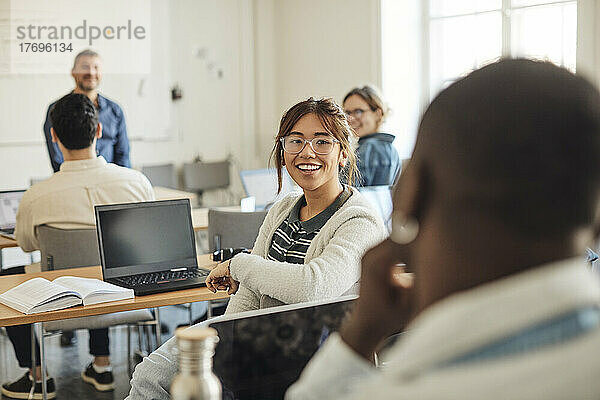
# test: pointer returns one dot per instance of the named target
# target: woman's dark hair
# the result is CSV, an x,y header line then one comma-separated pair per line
x,y
333,119
373,98
75,121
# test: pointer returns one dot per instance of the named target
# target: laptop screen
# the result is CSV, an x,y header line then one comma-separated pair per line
x,y
144,237
380,198
262,185
9,204
261,353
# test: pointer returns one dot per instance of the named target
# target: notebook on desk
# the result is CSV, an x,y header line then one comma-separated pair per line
x,y
149,247
9,204
262,185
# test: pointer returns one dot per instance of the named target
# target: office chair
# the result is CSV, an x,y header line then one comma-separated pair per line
x,y
70,248
233,228
198,177
164,175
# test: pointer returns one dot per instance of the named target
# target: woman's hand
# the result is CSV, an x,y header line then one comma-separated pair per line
x,y
220,279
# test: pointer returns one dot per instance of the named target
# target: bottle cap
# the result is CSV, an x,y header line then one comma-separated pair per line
x,y
195,333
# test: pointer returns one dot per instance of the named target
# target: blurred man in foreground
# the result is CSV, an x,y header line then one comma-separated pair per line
x,y
492,215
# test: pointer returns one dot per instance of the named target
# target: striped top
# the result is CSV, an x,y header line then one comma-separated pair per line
x,y
291,239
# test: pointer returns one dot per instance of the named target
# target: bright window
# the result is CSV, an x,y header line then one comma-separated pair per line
x,y
467,34
455,37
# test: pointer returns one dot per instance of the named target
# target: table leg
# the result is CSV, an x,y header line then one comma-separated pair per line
x,y
40,329
209,310
157,327
33,349
129,355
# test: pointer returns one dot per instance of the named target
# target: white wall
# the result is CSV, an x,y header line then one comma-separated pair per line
x,y
24,99
588,40
311,48
204,46
404,86
272,54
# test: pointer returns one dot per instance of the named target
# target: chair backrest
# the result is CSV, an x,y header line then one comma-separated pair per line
x,y
233,228
161,175
67,248
202,176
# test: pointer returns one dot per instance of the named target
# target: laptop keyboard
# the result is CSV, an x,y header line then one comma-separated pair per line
x,y
162,277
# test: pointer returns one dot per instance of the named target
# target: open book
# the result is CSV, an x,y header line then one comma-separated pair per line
x,y
40,295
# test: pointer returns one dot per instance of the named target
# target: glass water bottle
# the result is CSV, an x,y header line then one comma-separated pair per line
x,y
196,380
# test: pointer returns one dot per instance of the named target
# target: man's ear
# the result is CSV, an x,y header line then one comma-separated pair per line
x,y
99,131
53,135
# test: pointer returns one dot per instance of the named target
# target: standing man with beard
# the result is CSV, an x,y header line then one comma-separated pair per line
x,y
114,144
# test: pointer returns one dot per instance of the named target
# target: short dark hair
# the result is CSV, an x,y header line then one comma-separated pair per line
x,y
75,121
84,53
518,140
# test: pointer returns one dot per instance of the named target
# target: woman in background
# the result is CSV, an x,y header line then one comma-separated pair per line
x,y
378,160
310,245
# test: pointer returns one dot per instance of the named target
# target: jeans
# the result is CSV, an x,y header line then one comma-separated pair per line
x,y
20,337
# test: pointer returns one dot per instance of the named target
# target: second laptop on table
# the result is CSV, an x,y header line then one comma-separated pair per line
x,y
9,203
149,247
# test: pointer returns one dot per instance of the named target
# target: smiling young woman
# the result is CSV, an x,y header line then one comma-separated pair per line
x,y
309,246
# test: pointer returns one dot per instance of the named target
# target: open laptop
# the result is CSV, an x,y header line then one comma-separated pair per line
x,y
380,198
262,185
9,204
149,247
261,353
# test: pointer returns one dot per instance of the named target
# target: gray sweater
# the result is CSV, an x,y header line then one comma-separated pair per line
x,y
331,268
331,265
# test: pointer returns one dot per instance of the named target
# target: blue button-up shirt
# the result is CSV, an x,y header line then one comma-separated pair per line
x,y
113,145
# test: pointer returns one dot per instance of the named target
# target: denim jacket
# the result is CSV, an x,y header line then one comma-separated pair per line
x,y
378,160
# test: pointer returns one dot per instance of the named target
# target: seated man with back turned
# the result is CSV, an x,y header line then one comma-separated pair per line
x,y
66,200
493,214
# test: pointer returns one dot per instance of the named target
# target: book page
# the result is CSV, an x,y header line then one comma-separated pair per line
x,y
94,291
35,292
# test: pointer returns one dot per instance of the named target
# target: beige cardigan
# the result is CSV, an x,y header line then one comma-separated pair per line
x,y
332,262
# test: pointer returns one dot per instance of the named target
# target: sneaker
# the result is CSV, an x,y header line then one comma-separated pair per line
x,y
103,382
21,388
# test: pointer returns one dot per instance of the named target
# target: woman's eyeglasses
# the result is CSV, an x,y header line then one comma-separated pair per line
x,y
356,113
320,145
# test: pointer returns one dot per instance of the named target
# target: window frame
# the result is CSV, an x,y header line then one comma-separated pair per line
x,y
506,10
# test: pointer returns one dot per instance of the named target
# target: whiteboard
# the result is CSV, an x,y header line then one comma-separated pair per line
x,y
145,98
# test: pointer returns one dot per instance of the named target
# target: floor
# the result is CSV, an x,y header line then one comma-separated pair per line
x,y
66,363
